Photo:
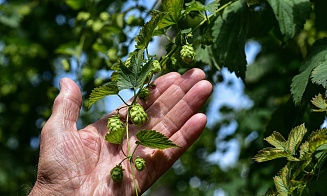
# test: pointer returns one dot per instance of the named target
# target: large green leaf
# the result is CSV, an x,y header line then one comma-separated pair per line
x,y
316,56
154,139
229,34
102,91
291,15
136,74
172,9
148,30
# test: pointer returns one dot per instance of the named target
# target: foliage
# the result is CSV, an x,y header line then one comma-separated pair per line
x,y
90,42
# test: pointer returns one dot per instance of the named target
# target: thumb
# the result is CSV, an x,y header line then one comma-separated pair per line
x,y
66,107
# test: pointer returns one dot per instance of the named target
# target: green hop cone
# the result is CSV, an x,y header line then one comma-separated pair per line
x,y
117,173
144,94
138,115
187,53
114,123
156,67
139,164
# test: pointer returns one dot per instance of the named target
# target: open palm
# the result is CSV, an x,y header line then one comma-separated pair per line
x,y
78,162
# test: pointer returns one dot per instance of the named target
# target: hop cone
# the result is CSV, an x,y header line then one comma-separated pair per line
x,y
138,115
187,53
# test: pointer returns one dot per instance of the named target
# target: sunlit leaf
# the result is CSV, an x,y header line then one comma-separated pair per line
x,y
267,154
316,139
319,102
277,140
295,138
304,150
154,139
115,137
102,91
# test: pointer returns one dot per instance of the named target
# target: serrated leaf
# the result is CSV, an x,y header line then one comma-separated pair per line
x,y
317,139
291,15
320,103
172,9
319,74
135,76
277,140
195,6
115,137
316,55
148,30
268,154
282,182
295,138
304,150
102,91
154,139
229,34
212,6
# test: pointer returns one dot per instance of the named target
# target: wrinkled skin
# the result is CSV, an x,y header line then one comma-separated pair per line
x,y
78,162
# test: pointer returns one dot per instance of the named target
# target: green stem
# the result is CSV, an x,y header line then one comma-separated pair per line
x,y
122,99
134,179
127,135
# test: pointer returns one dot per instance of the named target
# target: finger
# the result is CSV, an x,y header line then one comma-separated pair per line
x,y
66,107
170,118
187,135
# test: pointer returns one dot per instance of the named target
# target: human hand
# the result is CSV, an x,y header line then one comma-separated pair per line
x,y
78,162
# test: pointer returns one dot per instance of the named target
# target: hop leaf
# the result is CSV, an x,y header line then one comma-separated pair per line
x,y
138,115
102,91
117,173
187,53
154,139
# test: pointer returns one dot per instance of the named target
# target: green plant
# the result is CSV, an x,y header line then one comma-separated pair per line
x,y
305,158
